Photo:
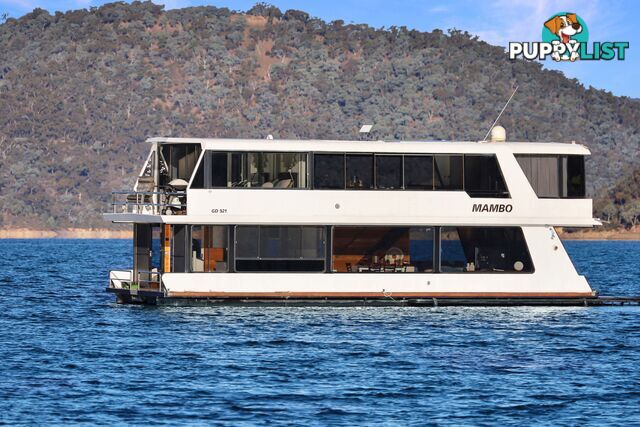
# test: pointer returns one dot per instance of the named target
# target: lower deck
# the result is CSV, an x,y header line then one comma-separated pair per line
x,y
385,263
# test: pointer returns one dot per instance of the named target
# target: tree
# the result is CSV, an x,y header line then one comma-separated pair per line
x,y
3,17
631,213
610,211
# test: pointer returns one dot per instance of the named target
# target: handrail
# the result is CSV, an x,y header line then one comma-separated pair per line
x,y
143,281
150,193
149,202
150,273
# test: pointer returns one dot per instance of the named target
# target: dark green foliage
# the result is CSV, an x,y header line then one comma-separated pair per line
x,y
80,91
621,204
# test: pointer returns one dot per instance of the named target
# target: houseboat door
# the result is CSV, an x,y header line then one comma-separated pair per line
x,y
147,255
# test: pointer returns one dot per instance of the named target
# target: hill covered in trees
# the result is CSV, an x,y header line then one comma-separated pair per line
x,y
80,91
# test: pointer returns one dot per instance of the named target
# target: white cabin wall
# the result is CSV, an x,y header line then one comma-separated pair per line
x,y
371,207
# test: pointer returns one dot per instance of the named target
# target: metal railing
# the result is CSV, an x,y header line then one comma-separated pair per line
x,y
149,202
145,280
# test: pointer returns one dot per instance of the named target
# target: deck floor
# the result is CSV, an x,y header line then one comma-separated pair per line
x,y
157,298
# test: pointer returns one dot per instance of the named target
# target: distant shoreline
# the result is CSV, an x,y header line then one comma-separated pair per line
x,y
105,233
596,234
65,233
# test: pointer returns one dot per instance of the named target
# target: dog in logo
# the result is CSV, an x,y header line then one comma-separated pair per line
x,y
564,26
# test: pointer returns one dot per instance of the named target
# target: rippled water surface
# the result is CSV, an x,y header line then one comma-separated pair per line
x,y
69,354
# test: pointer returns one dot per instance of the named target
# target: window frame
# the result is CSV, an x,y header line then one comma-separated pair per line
x,y
438,267
435,156
506,195
562,176
434,247
229,153
344,169
375,171
433,171
322,258
189,242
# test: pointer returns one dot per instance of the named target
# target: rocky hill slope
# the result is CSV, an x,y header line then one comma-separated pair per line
x,y
80,92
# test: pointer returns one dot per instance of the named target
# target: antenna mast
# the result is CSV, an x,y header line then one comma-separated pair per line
x,y
498,118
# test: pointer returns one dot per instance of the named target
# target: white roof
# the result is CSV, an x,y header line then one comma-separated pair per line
x,y
319,145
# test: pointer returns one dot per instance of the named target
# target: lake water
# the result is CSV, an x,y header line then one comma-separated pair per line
x,y
69,354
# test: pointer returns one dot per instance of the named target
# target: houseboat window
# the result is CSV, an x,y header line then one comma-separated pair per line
x,y
239,171
576,185
554,176
198,177
219,169
209,245
452,257
418,172
482,177
383,249
484,249
280,248
360,171
179,249
177,161
252,170
448,172
156,248
270,170
388,172
247,241
328,171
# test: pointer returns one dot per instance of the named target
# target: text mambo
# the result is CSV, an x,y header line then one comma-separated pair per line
x,y
487,207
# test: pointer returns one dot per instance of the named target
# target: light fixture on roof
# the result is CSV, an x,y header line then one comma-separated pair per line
x,y
366,128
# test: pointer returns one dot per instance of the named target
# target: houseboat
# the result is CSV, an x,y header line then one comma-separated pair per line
x,y
364,222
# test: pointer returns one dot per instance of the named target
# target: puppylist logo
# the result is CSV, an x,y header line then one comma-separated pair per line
x,y
565,37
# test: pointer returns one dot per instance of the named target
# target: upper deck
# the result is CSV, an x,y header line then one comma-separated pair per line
x,y
191,180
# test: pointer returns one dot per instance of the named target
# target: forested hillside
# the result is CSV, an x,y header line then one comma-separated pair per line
x,y
80,91
621,204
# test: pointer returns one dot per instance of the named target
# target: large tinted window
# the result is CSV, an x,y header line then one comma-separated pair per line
x,y
280,248
219,169
484,249
575,177
448,172
554,176
375,249
482,176
388,172
359,171
328,171
251,170
418,172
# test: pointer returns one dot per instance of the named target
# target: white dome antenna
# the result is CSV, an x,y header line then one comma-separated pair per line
x,y
498,134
